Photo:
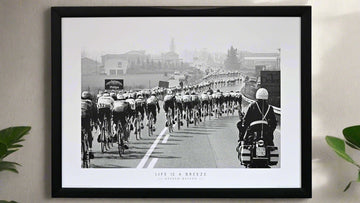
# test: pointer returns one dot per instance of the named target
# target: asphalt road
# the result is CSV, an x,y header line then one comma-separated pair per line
x,y
211,144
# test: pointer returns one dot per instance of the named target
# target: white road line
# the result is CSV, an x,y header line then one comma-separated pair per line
x,y
151,149
166,138
152,163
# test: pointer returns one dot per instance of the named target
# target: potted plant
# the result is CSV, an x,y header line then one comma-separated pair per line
x,y
352,139
9,143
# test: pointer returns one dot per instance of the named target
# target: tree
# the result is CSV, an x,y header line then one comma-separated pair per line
x,y
231,61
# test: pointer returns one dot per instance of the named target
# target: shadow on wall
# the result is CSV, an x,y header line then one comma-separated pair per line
x,y
335,101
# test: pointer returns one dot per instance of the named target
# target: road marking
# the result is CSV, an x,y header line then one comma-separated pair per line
x,y
166,138
151,149
152,163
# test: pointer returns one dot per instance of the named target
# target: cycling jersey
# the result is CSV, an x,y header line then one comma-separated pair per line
x,y
105,102
204,97
86,106
151,100
139,102
178,99
132,103
168,97
121,106
186,98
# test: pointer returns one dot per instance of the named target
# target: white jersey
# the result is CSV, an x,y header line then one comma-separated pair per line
x,y
186,98
151,100
105,102
132,103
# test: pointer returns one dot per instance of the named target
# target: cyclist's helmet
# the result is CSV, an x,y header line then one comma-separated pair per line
x,y
120,97
132,95
85,95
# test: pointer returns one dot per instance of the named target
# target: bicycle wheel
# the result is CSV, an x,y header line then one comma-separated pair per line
x,y
85,150
178,119
150,124
119,139
103,138
187,117
139,127
195,117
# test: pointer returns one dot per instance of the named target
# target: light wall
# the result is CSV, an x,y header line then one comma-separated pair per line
x,y
25,91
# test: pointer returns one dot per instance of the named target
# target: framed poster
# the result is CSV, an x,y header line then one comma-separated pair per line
x,y
181,101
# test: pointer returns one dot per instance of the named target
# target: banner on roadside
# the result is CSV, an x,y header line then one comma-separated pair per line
x,y
114,84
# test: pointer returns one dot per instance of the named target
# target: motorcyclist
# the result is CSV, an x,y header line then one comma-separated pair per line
x,y
259,111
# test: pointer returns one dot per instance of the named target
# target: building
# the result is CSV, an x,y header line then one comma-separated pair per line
x,y
114,64
89,66
171,58
249,60
118,64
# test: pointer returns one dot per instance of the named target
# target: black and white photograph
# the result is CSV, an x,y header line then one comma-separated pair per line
x,y
183,92
197,100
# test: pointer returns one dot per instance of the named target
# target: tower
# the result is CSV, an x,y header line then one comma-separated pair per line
x,y
172,45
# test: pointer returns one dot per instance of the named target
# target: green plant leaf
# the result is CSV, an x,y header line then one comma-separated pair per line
x,y
338,145
11,136
3,150
348,186
9,152
352,135
9,166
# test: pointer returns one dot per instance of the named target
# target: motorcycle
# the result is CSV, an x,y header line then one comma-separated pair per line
x,y
256,148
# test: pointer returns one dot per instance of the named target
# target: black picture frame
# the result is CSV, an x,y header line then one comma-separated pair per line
x,y
304,12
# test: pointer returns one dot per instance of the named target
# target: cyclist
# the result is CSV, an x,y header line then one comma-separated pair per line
x,y
205,102
121,113
179,106
88,114
238,100
140,107
196,102
227,100
151,104
187,104
105,106
131,100
169,102
219,100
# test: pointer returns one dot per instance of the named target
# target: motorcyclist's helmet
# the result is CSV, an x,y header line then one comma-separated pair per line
x,y
262,93
169,91
106,95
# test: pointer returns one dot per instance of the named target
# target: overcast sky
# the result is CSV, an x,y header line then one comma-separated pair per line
x,y
119,35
